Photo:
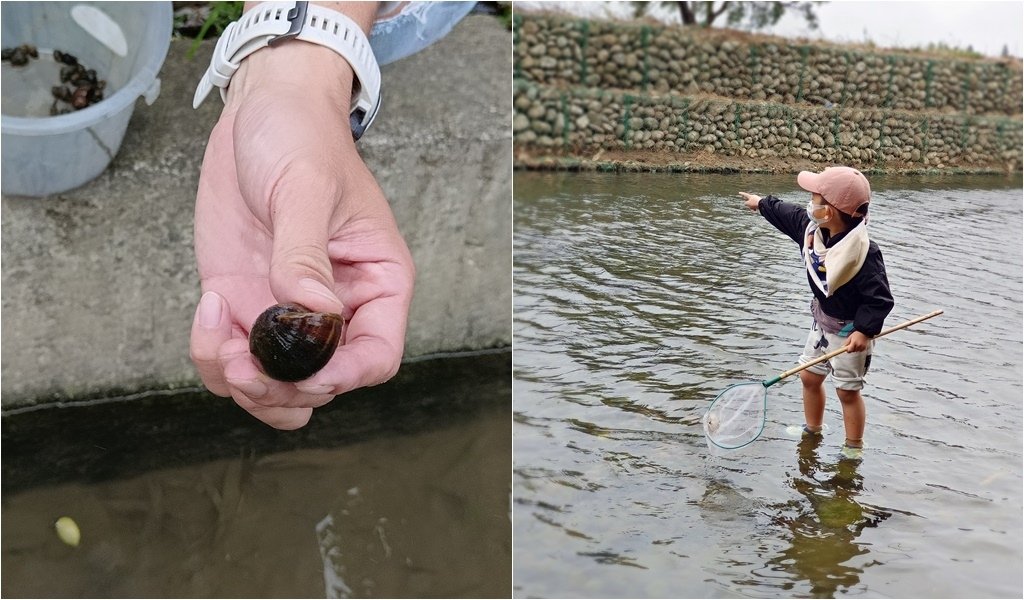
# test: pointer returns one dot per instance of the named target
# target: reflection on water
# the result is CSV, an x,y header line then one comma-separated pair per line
x,y
825,528
398,491
640,297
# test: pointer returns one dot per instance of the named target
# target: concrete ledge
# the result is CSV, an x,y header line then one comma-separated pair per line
x,y
99,284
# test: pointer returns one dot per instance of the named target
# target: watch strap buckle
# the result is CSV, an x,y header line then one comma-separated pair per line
x,y
296,19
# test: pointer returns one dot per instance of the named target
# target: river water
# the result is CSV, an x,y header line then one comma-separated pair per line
x,y
396,491
638,297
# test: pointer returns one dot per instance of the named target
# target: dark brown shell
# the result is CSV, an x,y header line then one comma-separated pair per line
x,y
291,343
64,57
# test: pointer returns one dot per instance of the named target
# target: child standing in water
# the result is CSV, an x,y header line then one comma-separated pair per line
x,y
851,292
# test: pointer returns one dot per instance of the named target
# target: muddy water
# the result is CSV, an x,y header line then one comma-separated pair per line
x,y
188,498
639,297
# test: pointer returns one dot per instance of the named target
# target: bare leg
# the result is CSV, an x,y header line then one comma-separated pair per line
x,y
854,415
814,399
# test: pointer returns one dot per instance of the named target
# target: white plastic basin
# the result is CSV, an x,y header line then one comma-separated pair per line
x,y
45,154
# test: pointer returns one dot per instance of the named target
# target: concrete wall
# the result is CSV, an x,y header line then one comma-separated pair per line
x,y
99,283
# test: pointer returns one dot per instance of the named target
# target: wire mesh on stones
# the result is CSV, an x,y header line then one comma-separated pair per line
x,y
737,416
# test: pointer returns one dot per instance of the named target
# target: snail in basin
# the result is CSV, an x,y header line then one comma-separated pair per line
x,y
291,342
19,56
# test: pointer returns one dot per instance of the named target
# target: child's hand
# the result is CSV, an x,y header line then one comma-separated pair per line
x,y
857,342
750,200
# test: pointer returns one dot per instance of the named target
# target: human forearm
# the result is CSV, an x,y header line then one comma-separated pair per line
x,y
787,218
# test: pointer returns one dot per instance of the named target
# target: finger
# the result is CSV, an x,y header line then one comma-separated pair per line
x,y
211,328
372,352
278,417
244,377
300,269
248,383
363,363
240,370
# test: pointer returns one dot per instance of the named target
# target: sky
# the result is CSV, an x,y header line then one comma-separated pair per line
x,y
985,26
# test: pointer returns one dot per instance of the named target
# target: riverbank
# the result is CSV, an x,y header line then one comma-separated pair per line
x,y
594,95
663,162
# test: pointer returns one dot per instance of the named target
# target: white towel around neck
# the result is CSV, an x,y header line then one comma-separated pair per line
x,y
840,262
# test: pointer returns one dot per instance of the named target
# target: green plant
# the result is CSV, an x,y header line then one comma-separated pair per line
x,y
221,15
505,14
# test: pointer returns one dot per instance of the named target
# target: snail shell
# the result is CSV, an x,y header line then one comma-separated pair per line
x,y
64,57
291,342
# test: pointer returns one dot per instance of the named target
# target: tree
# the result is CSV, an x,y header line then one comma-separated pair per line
x,y
747,15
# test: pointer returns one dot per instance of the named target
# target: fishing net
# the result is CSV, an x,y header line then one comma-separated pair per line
x,y
737,416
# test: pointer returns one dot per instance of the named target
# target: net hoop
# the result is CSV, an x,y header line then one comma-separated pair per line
x,y
711,429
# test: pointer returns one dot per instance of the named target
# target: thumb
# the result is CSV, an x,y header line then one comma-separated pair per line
x,y
300,269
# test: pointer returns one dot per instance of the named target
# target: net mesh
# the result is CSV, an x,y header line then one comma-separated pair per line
x,y
737,415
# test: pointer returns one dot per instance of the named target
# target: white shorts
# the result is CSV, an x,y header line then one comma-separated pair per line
x,y
848,370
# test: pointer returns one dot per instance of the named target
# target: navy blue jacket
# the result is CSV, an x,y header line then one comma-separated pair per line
x,y
865,299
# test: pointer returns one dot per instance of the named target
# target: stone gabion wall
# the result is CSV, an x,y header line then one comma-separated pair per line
x,y
588,120
571,53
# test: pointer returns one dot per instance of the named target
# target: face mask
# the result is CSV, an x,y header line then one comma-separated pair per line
x,y
812,208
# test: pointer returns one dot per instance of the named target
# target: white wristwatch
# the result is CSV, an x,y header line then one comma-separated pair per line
x,y
271,23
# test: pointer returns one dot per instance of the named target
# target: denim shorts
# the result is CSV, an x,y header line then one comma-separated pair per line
x,y
405,28
848,370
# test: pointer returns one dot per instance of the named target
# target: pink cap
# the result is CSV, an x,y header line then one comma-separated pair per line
x,y
845,188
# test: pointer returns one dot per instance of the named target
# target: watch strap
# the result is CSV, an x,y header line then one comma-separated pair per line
x,y
271,23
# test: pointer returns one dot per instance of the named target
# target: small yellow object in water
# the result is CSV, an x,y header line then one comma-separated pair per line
x,y
67,531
